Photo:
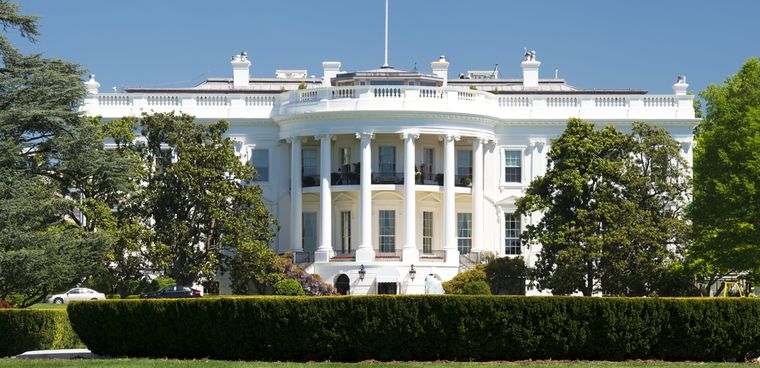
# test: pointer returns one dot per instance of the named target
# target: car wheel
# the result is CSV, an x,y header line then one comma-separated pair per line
x,y
58,301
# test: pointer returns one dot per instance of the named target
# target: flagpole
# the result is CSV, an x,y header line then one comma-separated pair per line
x,y
385,65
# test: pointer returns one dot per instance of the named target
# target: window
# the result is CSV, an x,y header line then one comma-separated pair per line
x,y
345,156
387,231
511,234
513,166
464,232
310,171
427,164
260,162
387,160
464,163
309,231
345,231
427,232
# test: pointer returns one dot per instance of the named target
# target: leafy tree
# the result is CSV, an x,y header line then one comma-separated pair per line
x,y
612,210
197,201
726,205
43,245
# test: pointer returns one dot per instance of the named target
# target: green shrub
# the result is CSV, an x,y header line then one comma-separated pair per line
x,y
421,328
506,275
288,287
456,285
477,287
35,329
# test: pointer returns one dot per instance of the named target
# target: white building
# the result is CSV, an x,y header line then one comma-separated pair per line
x,y
373,174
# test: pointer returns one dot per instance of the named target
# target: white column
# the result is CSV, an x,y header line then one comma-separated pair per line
x,y
324,251
477,195
449,203
410,252
365,253
296,227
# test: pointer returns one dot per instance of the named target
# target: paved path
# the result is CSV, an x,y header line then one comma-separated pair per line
x,y
59,354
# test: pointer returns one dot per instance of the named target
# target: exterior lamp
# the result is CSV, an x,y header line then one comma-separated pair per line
x,y
412,273
362,272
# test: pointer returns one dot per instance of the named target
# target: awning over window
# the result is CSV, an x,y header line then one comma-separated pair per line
x,y
387,275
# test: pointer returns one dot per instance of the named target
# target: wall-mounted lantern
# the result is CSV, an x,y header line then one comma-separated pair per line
x,y
362,272
412,273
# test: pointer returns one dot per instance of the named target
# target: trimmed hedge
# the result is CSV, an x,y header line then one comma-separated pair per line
x,y
422,328
35,329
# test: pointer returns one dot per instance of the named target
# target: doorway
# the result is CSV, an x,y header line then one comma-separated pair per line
x,y
387,288
343,284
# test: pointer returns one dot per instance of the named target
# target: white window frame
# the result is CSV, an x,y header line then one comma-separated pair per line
x,y
504,214
503,164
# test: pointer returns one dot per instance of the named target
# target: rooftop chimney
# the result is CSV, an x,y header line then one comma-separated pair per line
x,y
680,87
240,70
92,85
331,70
530,70
441,69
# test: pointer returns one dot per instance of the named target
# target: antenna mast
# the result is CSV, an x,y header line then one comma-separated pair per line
x,y
385,65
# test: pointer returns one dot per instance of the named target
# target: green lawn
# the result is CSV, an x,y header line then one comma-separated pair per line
x,y
132,363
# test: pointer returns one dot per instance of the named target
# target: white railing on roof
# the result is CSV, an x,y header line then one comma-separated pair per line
x,y
518,107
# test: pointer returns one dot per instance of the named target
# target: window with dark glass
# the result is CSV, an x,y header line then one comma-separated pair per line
x,y
260,162
464,232
512,166
387,231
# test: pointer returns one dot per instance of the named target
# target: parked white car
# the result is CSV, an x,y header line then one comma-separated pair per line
x,y
76,294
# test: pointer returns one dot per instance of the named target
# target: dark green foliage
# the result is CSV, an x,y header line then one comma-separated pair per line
x,y
612,206
46,150
421,328
507,275
477,287
289,287
24,330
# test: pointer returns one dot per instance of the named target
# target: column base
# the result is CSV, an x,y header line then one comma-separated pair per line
x,y
365,254
410,255
452,256
323,255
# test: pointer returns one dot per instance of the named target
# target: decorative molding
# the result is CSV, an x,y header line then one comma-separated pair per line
x,y
363,135
414,135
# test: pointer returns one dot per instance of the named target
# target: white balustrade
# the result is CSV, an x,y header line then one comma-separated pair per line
x,y
394,98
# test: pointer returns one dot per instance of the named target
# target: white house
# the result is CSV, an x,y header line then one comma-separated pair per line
x,y
379,178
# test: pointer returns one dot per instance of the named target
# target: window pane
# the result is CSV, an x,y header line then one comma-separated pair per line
x,y
309,161
309,231
260,162
427,232
511,234
512,166
345,229
464,162
464,232
387,159
387,231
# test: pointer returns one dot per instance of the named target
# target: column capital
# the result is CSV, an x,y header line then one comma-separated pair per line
x,y
538,144
412,135
363,135
292,139
686,146
324,136
449,138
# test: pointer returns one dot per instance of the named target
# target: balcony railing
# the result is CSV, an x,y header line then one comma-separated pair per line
x,y
388,178
388,255
344,255
310,181
433,255
349,178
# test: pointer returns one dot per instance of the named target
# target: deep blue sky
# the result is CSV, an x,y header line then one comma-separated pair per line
x,y
641,44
